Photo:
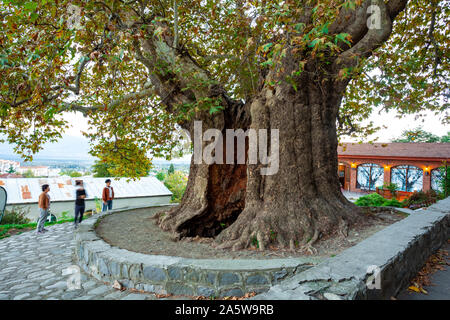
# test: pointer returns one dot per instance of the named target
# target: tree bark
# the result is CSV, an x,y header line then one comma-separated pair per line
x,y
239,206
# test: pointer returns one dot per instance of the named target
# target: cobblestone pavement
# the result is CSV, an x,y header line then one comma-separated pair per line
x,y
35,267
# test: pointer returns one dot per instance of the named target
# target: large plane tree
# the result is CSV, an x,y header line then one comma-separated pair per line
x,y
139,69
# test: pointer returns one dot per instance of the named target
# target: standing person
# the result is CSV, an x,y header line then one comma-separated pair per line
x,y
44,207
80,195
107,196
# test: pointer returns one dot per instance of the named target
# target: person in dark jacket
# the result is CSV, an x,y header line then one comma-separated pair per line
x,y
80,195
107,196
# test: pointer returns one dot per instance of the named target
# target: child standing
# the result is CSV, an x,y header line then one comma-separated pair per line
x,y
107,196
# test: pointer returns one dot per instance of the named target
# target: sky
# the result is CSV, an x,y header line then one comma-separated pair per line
x,y
75,146
394,125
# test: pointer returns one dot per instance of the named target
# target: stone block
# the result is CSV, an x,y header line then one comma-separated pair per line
x,y
206,292
233,292
115,268
210,278
192,275
124,271
179,289
228,278
279,275
256,279
103,267
135,271
175,273
154,274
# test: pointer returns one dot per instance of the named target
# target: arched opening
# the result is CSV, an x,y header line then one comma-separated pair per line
x,y
369,176
407,178
344,175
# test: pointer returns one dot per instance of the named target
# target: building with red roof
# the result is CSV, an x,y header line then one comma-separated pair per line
x,y
411,166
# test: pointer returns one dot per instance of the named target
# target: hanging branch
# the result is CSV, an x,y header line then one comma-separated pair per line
x,y
175,28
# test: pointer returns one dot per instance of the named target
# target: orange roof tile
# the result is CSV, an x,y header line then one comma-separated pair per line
x,y
437,151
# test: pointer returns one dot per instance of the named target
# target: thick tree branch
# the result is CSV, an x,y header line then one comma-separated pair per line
x,y
76,88
373,39
73,106
175,24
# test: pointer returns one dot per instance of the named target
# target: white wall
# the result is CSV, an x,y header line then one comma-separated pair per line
x,y
58,207
6,164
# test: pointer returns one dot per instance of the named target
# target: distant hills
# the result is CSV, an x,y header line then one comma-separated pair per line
x,y
69,148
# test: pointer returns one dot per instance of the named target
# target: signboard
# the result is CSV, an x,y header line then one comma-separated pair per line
x,y
3,197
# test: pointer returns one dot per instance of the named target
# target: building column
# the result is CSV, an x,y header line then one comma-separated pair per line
x,y
426,182
387,174
353,167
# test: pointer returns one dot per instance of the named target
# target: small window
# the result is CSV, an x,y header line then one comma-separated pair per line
x,y
369,176
437,175
407,178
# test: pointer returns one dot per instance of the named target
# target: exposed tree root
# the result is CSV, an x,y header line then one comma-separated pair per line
x,y
309,246
301,228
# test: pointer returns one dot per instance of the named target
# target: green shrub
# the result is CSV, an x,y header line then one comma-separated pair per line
x,y
16,215
392,187
421,199
376,200
64,215
371,200
98,205
176,183
161,175
393,203
445,182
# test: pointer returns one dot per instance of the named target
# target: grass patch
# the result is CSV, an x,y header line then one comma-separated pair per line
x,y
7,230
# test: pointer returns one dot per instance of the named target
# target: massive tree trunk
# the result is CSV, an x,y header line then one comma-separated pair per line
x,y
237,204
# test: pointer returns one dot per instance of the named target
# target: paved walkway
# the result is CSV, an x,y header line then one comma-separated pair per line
x,y
353,196
440,290
32,267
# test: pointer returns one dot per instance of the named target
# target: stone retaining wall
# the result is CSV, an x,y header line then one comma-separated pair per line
x,y
176,275
397,252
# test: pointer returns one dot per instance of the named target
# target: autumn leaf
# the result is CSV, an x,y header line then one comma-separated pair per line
x,y
414,288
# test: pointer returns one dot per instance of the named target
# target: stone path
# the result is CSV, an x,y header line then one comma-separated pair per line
x,y
353,196
35,267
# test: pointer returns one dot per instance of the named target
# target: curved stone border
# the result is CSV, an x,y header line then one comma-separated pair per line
x,y
176,275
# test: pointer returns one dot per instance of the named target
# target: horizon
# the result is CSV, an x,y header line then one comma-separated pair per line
x,y
59,150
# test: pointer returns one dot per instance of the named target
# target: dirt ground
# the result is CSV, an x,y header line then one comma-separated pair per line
x,y
136,231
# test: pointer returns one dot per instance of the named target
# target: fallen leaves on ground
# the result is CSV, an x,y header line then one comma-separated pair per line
x,y
160,296
136,290
246,296
434,263
118,286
